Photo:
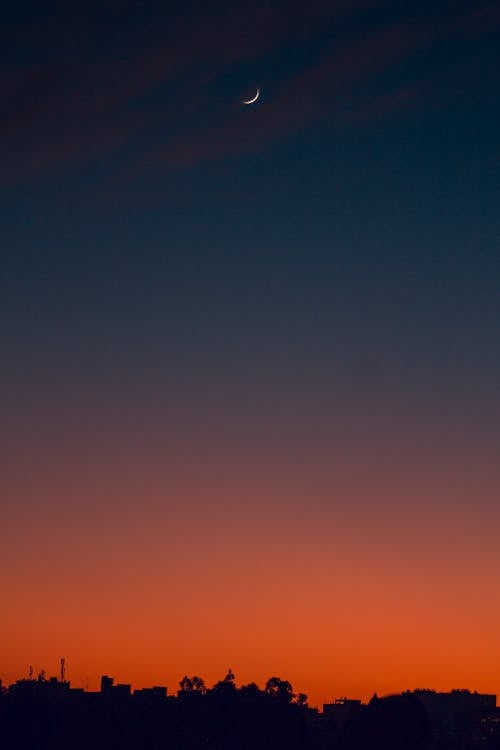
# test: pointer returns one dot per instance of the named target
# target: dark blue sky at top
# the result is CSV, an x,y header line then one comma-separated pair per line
x,y
339,237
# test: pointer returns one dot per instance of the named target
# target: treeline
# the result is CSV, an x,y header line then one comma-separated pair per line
x,y
276,688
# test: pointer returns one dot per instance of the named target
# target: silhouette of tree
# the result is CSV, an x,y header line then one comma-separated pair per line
x,y
225,687
301,699
198,685
229,678
192,685
186,684
252,689
280,689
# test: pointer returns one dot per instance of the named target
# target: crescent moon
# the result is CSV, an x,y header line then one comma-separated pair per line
x,y
251,101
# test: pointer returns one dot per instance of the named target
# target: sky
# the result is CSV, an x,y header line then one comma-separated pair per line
x,y
250,354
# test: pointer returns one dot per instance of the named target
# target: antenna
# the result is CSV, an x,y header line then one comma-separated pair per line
x,y
30,672
63,668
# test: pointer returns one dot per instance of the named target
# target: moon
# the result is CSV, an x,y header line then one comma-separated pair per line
x,y
251,101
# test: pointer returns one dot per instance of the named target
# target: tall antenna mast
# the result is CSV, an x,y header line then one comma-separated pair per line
x,y
63,668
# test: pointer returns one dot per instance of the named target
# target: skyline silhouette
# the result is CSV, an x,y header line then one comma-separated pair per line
x,y
274,686
47,714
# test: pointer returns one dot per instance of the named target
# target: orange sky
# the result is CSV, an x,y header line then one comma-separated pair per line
x,y
344,580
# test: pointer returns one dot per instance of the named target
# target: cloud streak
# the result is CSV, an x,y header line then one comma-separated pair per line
x,y
327,89
74,97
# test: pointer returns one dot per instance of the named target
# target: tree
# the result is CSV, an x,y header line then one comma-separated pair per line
x,y
186,684
252,689
229,678
226,686
192,685
280,689
198,685
301,700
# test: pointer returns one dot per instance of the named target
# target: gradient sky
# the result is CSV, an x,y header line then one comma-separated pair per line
x,y
250,374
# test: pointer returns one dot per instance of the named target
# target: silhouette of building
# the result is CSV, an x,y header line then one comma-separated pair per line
x,y
341,710
106,683
108,688
41,687
158,692
459,712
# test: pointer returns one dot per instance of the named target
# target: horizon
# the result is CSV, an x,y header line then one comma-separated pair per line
x,y
95,685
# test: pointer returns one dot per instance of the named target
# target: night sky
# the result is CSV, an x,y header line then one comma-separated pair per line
x,y
250,397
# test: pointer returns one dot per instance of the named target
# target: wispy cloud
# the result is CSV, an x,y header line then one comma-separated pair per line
x,y
70,94
324,89
60,103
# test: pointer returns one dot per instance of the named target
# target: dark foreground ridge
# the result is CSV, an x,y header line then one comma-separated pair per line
x,y
41,714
